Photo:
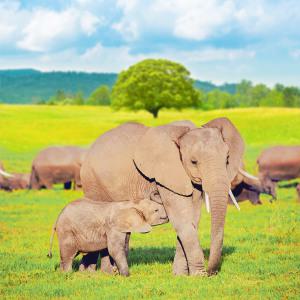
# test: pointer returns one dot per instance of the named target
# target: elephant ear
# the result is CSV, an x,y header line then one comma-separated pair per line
x,y
157,156
130,220
234,141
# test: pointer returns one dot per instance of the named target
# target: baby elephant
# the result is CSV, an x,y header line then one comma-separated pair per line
x,y
87,226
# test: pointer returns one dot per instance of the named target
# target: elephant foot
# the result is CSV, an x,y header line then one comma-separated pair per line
x,y
201,273
89,268
107,263
179,270
212,273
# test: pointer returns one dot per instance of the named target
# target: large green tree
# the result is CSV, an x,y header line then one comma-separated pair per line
x,y
153,84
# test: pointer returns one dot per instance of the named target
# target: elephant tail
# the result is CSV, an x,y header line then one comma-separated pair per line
x,y
51,241
53,232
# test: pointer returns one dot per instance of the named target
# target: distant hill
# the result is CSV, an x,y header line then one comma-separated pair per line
x,y
30,86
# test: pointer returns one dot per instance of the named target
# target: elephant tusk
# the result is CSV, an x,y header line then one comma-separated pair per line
x,y
207,202
5,174
246,174
233,199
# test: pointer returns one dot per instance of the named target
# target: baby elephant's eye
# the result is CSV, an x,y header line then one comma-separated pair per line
x,y
157,210
194,162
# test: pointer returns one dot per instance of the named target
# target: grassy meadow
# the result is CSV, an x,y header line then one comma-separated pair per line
x,y
261,255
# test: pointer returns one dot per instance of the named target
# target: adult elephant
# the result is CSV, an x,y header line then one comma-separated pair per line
x,y
179,160
57,165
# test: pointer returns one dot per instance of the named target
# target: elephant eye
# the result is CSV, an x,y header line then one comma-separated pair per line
x,y
194,162
227,159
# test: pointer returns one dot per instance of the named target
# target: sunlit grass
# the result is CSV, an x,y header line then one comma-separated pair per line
x,y
261,257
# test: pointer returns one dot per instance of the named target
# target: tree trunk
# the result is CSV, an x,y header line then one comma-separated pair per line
x,y
154,112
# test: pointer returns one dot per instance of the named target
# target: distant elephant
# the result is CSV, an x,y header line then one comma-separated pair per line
x,y
132,160
298,191
14,181
279,163
249,187
57,165
86,226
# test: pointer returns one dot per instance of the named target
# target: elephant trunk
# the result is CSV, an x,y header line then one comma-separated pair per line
x,y
216,185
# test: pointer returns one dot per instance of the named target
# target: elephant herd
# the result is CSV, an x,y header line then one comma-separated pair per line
x,y
171,169
50,166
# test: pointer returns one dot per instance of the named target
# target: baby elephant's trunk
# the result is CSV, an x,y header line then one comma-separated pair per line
x,y
51,242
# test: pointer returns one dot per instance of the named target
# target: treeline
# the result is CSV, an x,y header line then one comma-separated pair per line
x,y
27,86
246,95
249,95
32,86
100,96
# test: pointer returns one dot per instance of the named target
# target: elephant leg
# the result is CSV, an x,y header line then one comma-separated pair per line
x,y
180,210
46,184
180,264
67,254
116,243
77,182
107,262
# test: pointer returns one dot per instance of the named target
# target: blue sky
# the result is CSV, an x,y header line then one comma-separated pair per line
x,y
218,41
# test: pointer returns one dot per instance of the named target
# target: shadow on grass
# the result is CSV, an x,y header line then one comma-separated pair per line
x,y
151,255
287,185
148,255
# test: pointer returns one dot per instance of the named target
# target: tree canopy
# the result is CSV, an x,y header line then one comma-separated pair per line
x,y
153,84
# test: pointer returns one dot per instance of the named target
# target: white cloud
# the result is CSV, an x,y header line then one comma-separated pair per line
x,y
189,19
11,18
127,27
89,22
202,19
43,29
108,59
216,54
47,28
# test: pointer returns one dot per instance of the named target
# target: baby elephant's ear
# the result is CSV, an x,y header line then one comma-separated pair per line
x,y
130,220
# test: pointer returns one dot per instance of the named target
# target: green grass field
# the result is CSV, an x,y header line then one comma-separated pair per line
x,y
261,255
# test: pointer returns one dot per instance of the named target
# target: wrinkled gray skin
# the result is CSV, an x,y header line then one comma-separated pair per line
x,y
88,226
132,160
57,165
